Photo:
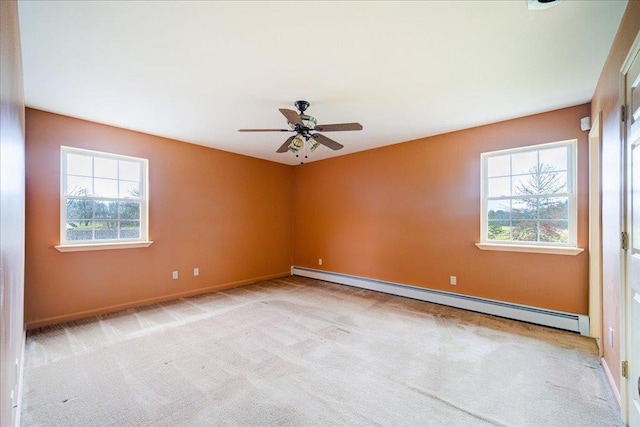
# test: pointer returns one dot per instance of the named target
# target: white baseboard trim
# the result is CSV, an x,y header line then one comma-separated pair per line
x,y
555,319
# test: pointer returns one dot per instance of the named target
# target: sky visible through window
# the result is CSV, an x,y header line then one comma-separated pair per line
x,y
102,177
507,173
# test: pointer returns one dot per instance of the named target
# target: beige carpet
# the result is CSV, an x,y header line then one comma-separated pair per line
x,y
303,352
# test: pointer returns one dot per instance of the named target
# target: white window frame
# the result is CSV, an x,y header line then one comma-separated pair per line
x,y
568,248
87,245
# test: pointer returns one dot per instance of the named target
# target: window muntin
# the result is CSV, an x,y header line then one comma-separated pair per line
x,y
528,195
103,198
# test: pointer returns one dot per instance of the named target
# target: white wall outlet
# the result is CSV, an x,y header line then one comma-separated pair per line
x,y
319,261
196,271
452,280
610,337
174,275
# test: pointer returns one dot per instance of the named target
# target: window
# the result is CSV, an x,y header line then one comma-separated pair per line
x,y
103,201
528,197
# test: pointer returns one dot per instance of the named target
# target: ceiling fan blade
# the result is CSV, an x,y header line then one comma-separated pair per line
x,y
285,147
338,127
292,116
327,141
265,130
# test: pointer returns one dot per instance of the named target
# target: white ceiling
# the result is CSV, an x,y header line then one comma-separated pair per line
x,y
199,71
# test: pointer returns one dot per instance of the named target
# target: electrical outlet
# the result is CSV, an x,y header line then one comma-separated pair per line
x,y
452,280
610,337
196,271
175,275
319,261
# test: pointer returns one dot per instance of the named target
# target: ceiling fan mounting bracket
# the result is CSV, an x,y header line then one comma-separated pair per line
x,y
301,106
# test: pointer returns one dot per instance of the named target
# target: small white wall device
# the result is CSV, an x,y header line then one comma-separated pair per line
x,y
585,123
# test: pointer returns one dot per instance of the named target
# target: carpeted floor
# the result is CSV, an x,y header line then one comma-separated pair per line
x,y
302,352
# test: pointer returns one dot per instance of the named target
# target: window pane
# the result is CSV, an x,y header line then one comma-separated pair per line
x,y
130,189
129,229
543,181
499,215
79,186
129,171
79,209
554,231
524,208
106,230
82,231
552,182
499,209
499,230
524,231
554,208
525,184
105,168
106,187
129,210
499,166
79,165
555,157
524,162
499,187
106,210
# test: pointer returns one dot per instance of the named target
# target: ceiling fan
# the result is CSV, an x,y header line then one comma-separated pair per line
x,y
305,128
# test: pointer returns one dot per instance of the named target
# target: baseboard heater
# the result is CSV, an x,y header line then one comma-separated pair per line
x,y
555,319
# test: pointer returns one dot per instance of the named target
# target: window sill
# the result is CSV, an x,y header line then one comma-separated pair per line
x,y
555,250
103,246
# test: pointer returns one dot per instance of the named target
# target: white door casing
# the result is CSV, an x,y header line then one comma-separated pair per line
x,y
631,287
595,227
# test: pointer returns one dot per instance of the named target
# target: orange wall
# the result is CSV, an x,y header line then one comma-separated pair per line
x,y
12,208
606,99
227,214
410,213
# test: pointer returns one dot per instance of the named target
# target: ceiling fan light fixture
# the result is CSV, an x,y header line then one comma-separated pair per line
x,y
296,144
313,144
